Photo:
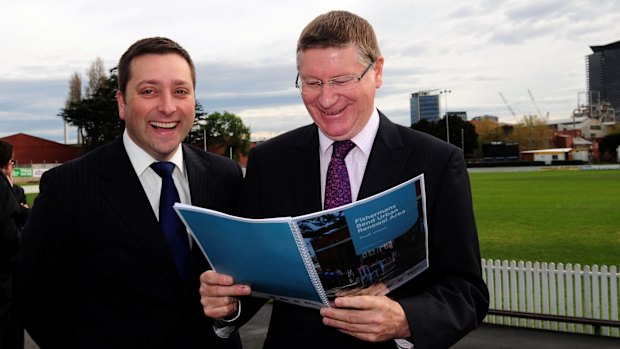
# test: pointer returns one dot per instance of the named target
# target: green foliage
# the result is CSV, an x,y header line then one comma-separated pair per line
x,y
96,116
225,130
608,147
548,216
468,138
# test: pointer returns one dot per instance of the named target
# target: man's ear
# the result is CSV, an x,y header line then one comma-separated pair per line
x,y
121,105
378,72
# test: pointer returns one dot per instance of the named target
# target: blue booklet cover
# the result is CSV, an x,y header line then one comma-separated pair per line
x,y
309,260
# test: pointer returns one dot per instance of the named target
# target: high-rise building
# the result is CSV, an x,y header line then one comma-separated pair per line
x,y
425,105
603,69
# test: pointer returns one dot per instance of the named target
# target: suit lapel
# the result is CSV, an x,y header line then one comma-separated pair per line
x,y
197,176
305,185
385,163
124,193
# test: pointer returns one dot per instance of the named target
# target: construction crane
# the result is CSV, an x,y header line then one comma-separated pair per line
x,y
507,105
540,115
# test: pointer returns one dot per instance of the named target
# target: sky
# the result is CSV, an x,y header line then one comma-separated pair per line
x,y
244,52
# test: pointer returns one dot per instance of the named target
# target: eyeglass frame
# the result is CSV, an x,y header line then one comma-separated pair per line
x,y
330,82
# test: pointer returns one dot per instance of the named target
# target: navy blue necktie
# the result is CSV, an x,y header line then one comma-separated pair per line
x,y
172,226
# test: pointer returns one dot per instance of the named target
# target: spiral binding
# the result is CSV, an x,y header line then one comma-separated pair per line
x,y
305,256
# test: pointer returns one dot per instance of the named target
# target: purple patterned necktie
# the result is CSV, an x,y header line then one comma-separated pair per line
x,y
337,186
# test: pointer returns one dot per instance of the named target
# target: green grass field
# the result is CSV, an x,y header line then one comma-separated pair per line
x,y
30,198
549,216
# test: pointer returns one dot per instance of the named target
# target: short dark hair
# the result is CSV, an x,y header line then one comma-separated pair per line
x,y
154,45
6,152
340,28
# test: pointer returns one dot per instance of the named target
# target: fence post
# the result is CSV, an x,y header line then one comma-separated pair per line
x,y
561,272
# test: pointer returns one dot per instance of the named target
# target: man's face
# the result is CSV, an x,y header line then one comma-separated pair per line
x,y
8,168
339,114
159,103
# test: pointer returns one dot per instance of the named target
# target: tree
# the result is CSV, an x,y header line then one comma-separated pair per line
x,y
608,147
489,131
531,133
225,132
96,116
97,77
425,126
462,133
467,138
75,89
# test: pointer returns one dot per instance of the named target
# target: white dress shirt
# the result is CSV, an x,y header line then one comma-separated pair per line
x,y
357,158
151,181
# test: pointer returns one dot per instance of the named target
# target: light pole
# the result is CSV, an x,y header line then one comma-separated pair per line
x,y
445,93
203,123
230,151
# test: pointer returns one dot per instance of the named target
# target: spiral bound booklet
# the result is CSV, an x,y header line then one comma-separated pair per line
x,y
309,260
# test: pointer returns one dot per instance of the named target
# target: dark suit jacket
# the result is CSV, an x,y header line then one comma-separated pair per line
x,y
442,304
20,194
9,237
97,272
12,217
22,213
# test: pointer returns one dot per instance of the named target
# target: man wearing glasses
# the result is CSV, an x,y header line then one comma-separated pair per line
x,y
340,68
19,192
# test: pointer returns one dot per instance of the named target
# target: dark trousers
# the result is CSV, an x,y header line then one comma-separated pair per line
x,y
11,330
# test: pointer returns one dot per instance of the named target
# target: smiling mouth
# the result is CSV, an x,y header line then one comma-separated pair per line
x,y
164,125
334,112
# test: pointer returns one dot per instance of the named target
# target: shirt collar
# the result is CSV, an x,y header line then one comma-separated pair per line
x,y
141,160
363,140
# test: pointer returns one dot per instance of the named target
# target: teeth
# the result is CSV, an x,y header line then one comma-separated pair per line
x,y
335,112
164,124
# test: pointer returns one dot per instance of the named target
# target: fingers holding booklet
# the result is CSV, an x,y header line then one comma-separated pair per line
x,y
219,295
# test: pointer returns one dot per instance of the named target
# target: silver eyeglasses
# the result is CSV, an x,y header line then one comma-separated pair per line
x,y
339,83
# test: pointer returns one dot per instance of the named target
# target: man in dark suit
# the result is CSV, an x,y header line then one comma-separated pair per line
x,y
11,219
20,194
97,269
340,67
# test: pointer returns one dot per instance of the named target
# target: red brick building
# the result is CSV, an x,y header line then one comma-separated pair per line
x,y
34,150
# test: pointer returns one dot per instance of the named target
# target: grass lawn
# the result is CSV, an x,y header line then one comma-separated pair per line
x,y
549,216
30,198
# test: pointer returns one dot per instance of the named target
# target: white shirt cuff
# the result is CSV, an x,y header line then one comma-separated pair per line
x,y
223,328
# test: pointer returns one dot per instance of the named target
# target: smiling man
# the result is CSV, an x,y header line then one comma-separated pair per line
x,y
105,262
340,67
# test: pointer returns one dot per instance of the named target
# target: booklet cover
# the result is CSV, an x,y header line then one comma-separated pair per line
x,y
309,260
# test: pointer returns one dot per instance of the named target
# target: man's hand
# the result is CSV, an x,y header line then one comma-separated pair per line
x,y
369,318
218,294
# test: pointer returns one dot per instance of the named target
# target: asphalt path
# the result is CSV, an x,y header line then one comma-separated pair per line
x,y
486,336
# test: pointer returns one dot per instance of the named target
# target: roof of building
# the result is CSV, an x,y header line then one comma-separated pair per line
x,y
611,46
577,119
581,141
548,151
35,150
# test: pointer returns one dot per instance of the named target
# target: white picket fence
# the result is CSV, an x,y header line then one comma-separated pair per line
x,y
559,290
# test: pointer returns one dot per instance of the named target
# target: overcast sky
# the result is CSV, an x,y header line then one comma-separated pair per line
x,y
245,53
